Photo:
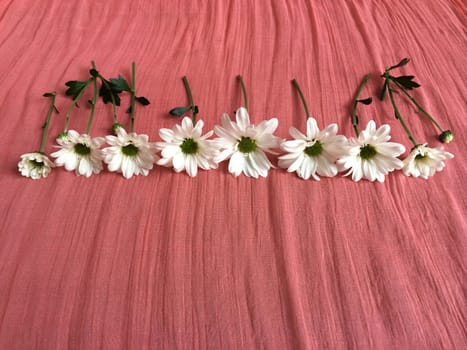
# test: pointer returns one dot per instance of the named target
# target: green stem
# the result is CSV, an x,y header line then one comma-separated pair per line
x,y
47,121
245,96
355,103
190,99
133,96
307,112
398,115
93,102
420,108
73,104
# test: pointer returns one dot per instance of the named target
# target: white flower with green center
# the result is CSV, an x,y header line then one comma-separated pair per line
x,y
79,152
424,161
245,144
129,154
35,165
371,156
185,148
312,154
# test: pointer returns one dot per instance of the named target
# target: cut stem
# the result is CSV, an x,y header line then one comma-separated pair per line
x,y
355,103
398,115
420,108
307,112
133,96
194,109
245,96
93,102
47,121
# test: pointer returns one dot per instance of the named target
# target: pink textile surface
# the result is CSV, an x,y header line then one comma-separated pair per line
x,y
218,262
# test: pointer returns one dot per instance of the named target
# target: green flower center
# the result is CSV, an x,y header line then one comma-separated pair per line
x,y
36,164
246,145
82,149
130,150
315,150
367,152
189,146
420,157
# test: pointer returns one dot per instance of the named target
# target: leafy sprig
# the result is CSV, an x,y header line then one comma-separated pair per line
x,y
406,83
46,124
357,100
179,111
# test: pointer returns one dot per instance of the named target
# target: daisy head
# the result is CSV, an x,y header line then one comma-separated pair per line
x,y
371,156
312,154
129,154
79,152
424,161
185,148
35,165
245,144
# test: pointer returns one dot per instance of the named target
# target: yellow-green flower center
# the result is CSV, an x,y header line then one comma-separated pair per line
x,y
36,164
246,144
189,146
315,150
130,150
420,156
367,152
82,149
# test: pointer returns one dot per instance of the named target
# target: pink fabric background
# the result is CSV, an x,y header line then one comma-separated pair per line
x,y
218,262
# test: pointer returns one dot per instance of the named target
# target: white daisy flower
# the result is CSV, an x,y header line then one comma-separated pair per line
x,y
79,152
425,161
370,156
314,154
246,144
129,154
35,165
185,148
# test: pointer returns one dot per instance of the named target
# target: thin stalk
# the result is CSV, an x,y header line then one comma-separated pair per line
x,y
420,108
245,96
47,122
73,104
93,102
398,115
307,112
133,96
355,103
190,99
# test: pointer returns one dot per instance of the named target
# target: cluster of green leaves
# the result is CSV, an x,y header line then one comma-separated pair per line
x,y
109,90
403,81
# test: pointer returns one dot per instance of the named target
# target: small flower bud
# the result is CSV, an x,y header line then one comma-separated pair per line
x,y
446,136
62,136
116,126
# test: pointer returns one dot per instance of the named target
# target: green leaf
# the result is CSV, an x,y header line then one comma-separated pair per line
x,y
143,100
179,111
75,87
119,84
402,63
383,90
407,81
366,101
106,92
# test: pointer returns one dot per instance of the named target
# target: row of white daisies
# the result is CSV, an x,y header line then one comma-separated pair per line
x,y
317,153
